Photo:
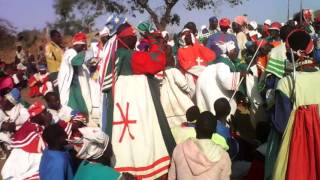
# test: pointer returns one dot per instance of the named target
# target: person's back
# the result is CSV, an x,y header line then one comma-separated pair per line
x,y
200,158
221,37
222,109
55,161
96,171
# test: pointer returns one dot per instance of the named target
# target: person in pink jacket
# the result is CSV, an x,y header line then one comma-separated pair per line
x,y
200,158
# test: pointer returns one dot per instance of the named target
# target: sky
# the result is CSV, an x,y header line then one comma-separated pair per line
x,y
29,14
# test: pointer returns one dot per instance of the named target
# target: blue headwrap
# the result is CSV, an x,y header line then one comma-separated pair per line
x,y
13,96
114,22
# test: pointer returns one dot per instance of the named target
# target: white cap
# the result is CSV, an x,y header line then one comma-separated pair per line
x,y
104,32
203,27
268,22
164,33
252,33
254,24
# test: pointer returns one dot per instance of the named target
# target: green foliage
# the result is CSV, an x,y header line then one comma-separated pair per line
x,y
91,9
7,34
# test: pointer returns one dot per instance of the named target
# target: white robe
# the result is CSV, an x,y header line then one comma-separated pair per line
x,y
18,114
175,97
21,165
64,113
215,82
65,78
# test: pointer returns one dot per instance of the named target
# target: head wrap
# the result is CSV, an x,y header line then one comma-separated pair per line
x,y
36,108
307,15
104,32
6,82
113,23
267,22
224,22
254,24
241,20
13,96
213,19
275,26
145,27
21,67
94,143
185,32
79,38
300,40
129,31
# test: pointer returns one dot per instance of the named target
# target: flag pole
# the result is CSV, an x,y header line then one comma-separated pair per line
x,y
288,15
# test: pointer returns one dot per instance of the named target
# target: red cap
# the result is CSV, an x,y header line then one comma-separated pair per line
x,y
79,38
36,108
275,26
224,22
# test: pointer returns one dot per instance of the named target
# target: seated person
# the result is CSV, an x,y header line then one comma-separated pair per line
x,y
98,158
58,111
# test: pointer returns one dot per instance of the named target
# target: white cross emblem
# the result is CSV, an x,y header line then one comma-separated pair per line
x,y
199,61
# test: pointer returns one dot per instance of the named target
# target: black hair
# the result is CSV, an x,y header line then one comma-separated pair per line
x,y
52,135
206,125
54,32
224,29
222,107
193,113
192,26
285,31
50,94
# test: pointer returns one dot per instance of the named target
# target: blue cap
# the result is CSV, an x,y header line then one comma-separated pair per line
x,y
213,19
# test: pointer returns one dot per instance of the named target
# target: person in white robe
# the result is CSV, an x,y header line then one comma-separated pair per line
x,y
175,96
73,77
12,115
219,80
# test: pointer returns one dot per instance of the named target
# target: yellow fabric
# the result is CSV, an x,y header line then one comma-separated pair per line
x,y
53,56
181,134
218,139
305,94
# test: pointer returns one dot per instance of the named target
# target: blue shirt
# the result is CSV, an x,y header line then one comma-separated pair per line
x,y
55,165
220,36
223,130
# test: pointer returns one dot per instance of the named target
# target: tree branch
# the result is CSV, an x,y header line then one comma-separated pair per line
x,y
165,19
154,16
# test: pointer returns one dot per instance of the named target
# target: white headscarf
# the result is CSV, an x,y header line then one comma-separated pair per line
x,y
94,141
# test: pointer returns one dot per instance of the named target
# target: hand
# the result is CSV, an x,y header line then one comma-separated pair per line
x,y
243,74
8,126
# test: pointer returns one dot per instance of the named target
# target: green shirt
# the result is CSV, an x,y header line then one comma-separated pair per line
x,y
95,171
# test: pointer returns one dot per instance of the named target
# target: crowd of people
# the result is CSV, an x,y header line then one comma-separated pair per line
x,y
234,100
